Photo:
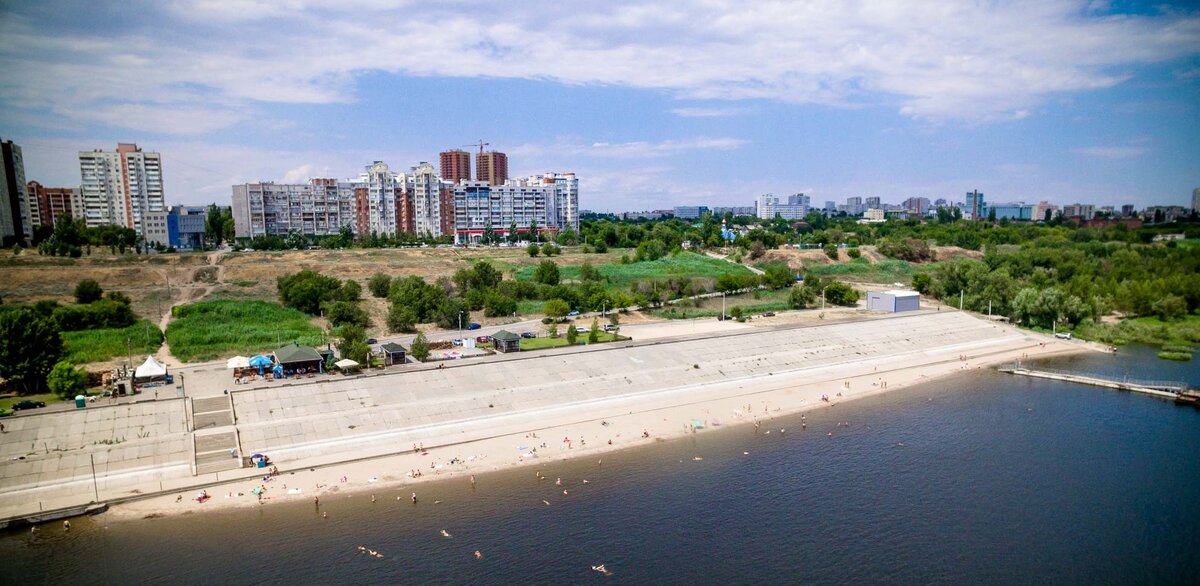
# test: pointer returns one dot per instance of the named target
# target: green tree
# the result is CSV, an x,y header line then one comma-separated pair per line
x,y
346,312
922,282
801,297
532,249
498,305
350,291
549,249
401,319
87,291
485,275
572,334
420,348
552,329
594,331
556,308
218,225
1170,308
831,250
841,294
307,290
29,348
778,276
452,312
589,273
378,284
546,273
66,381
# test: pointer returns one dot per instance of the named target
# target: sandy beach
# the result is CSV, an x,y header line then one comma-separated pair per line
x,y
699,409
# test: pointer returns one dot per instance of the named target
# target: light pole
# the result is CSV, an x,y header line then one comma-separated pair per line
x,y
823,298
722,306
460,327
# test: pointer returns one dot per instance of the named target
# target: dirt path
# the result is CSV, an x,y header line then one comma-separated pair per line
x,y
727,259
189,293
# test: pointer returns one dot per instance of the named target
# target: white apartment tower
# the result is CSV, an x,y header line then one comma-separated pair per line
x,y
121,187
427,192
381,198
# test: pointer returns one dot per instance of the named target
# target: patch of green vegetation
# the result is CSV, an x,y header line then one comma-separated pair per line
x,y
862,269
84,346
747,309
1146,330
547,342
684,264
1181,356
1177,348
245,283
214,329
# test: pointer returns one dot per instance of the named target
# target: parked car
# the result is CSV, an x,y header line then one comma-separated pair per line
x,y
583,330
609,328
483,339
528,335
27,404
372,341
473,326
1063,335
573,313
456,341
769,314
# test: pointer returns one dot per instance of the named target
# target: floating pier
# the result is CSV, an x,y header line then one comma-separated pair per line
x,y
1177,391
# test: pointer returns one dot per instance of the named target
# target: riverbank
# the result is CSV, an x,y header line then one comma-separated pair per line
x,y
566,435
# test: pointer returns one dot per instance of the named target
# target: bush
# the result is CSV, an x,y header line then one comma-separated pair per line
x,y
594,333
778,276
1170,308
350,291
831,250
87,291
105,313
757,250
401,319
66,381
801,297
532,249
549,249
853,253
841,294
497,305
1181,356
547,273
736,311
346,312
420,348
556,308
572,334
378,284
601,247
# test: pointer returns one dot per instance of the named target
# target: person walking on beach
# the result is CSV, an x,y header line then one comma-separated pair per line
x,y
472,481
414,498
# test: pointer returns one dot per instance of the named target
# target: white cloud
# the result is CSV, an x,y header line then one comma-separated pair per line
x,y
1112,152
703,112
216,60
299,174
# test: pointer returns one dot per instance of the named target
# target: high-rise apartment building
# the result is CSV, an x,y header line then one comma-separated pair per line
x,y
120,187
566,197
768,206
492,167
427,200
1079,211
15,221
51,203
1128,209
317,208
873,203
854,206
916,205
975,208
455,165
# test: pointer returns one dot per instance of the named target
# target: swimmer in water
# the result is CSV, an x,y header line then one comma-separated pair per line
x,y
478,555
546,502
445,533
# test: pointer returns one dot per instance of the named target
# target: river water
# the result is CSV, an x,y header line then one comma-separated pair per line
x,y
981,478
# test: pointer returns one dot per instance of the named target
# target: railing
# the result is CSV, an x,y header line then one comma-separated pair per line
x,y
1172,385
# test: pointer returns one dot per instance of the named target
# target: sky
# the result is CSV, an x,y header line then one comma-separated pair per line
x,y
692,102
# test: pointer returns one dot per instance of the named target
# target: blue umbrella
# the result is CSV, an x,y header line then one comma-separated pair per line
x,y
260,360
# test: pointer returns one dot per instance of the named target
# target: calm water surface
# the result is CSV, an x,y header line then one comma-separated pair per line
x,y
985,478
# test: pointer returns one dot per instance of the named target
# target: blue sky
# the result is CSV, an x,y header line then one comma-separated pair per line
x,y
653,104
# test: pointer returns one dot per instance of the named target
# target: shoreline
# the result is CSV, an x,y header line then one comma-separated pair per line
x,y
664,418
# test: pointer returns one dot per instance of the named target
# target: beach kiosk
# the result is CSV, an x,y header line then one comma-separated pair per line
x,y
893,301
299,359
392,353
506,341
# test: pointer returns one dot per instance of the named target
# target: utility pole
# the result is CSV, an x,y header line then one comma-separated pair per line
x,y
960,299
722,306
460,327
989,308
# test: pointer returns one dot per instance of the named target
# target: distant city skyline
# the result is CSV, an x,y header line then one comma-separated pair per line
x,y
691,103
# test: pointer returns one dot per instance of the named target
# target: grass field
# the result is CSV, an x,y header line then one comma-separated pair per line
x,y
48,398
544,342
217,329
684,264
862,270
87,346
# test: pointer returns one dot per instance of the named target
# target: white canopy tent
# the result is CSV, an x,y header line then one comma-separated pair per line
x,y
150,370
345,363
238,362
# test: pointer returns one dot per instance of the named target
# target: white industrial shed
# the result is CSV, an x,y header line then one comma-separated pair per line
x,y
893,301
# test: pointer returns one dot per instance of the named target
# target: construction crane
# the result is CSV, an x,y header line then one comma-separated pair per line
x,y
480,144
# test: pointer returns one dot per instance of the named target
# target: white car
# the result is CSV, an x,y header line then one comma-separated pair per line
x,y
1063,335
583,330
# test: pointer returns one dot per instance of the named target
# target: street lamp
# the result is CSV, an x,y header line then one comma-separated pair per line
x,y
722,306
460,326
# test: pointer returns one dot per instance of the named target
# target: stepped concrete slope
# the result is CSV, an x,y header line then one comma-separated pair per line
x,y
151,447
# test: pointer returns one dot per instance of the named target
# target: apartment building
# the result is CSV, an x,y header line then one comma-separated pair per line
x,y
120,187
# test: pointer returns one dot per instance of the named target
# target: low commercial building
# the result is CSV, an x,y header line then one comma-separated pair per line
x,y
296,358
506,341
893,301
393,353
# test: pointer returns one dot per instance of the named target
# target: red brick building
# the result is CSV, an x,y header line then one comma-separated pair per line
x,y
455,165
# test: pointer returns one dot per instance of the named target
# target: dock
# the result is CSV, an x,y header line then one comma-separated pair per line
x,y
1176,391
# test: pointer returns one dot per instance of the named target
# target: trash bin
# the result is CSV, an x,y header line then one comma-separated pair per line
x,y
80,401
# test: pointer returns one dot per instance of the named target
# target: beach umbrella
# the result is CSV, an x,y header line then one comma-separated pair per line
x,y
237,362
259,361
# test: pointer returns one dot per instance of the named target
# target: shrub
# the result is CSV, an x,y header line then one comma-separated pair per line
x,y
841,294
307,291
378,284
401,319
420,348
594,333
801,297
87,291
831,250
346,312
853,253
547,273
350,291
736,311
556,308
532,249
572,334
497,305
